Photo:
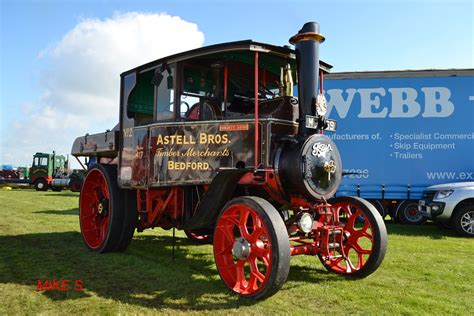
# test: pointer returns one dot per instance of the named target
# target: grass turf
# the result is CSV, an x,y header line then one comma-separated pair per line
x,y
426,271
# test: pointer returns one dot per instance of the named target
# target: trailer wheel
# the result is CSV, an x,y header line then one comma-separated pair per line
x,y
75,185
199,236
251,247
379,206
41,184
101,209
364,242
463,221
408,213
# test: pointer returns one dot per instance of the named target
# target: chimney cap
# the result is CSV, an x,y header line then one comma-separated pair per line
x,y
312,27
309,32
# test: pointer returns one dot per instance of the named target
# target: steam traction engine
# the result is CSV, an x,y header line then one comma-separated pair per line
x,y
213,142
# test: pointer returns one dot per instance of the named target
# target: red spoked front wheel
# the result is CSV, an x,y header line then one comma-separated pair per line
x,y
251,247
358,249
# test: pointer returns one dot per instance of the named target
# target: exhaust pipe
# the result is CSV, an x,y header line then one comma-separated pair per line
x,y
307,59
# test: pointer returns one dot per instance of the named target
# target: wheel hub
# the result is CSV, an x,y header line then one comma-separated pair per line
x,y
413,214
241,249
102,208
467,222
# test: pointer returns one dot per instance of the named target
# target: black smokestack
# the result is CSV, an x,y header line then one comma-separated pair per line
x,y
307,58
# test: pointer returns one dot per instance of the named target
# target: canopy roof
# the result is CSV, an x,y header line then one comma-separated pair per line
x,y
226,49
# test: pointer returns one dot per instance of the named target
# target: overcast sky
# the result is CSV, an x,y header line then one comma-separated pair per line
x,y
61,60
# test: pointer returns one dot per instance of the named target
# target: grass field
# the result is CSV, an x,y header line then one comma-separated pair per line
x,y
426,271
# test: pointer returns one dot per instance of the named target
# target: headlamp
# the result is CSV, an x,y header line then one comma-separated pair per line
x,y
305,222
443,194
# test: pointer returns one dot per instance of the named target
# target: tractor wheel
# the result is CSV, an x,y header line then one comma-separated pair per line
x,y
408,213
463,221
364,238
251,247
102,209
75,185
199,236
41,184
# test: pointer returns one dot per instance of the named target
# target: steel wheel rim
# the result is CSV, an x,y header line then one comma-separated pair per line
x,y
94,209
244,273
467,222
412,214
354,229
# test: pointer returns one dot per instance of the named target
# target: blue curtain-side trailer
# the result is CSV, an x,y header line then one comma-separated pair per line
x,y
418,127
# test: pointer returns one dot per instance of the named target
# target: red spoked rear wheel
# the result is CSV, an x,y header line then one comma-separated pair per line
x,y
251,247
95,209
360,249
107,214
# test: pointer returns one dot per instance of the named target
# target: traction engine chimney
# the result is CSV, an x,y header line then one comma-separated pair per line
x,y
307,58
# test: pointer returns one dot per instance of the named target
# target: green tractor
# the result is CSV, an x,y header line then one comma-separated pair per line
x,y
51,171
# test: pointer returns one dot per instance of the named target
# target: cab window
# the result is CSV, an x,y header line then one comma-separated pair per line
x,y
43,161
202,90
141,99
40,161
152,97
164,95
222,85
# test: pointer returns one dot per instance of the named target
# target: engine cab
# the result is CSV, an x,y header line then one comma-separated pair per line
x,y
187,118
